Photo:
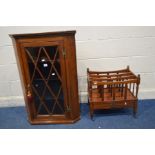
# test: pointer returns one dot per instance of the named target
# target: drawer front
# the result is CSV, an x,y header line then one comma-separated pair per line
x,y
110,105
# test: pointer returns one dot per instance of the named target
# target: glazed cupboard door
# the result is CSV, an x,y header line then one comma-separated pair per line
x,y
45,71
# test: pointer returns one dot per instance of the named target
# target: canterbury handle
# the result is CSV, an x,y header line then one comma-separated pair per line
x,y
29,95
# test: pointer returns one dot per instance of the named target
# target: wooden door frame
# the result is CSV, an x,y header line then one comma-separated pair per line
x,y
60,45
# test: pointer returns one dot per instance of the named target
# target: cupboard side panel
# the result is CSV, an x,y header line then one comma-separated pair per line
x,y
71,70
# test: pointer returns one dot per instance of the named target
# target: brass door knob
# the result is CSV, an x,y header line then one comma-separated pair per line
x,y
29,95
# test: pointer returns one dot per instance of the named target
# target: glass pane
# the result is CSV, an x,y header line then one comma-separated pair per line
x,y
58,109
46,82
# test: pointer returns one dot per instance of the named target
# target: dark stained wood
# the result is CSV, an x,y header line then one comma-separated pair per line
x,y
65,41
44,34
112,89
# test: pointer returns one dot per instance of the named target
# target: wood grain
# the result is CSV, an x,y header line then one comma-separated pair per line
x,y
112,89
64,41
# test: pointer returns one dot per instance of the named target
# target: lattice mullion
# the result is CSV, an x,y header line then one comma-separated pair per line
x,y
57,98
49,73
56,73
56,101
55,54
35,65
52,63
42,101
44,80
44,90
